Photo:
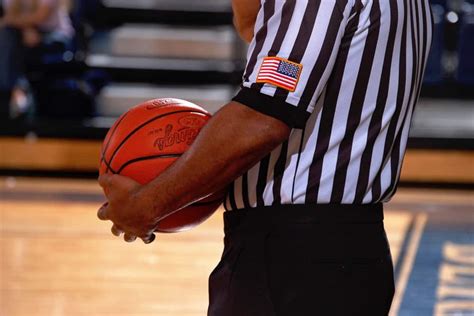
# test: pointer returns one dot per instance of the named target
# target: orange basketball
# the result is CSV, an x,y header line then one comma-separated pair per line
x,y
146,140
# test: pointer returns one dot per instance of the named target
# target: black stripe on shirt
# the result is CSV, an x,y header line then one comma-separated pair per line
x,y
357,104
296,55
279,170
327,116
325,54
262,180
245,190
231,194
392,127
268,11
375,124
302,39
421,52
286,16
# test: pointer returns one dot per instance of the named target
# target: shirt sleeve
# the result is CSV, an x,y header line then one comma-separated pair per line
x,y
291,56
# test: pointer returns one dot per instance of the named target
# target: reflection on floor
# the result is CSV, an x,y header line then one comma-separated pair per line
x,y
57,259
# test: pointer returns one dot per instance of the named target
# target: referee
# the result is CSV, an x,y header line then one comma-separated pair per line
x,y
311,146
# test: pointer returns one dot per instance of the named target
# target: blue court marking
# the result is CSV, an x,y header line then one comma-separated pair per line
x,y
450,226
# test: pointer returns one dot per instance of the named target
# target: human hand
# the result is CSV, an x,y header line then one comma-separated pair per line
x,y
31,37
9,20
130,211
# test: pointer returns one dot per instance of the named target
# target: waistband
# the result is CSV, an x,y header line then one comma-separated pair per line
x,y
267,217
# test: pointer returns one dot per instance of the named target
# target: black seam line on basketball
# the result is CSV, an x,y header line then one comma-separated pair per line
x,y
111,135
109,167
146,123
147,158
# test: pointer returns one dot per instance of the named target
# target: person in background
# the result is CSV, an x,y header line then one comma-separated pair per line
x,y
26,27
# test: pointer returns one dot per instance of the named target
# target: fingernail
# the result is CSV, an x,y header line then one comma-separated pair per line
x,y
117,232
129,238
149,239
101,215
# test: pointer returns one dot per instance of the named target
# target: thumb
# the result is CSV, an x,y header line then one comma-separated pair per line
x,y
105,180
116,183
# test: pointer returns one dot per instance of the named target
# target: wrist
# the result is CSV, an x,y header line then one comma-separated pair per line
x,y
146,196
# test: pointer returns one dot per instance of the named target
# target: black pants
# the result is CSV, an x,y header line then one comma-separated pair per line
x,y
323,260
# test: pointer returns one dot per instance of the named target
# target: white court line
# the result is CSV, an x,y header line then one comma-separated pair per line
x,y
409,260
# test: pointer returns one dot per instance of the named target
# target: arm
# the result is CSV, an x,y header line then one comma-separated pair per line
x,y
230,144
234,140
28,20
239,135
245,14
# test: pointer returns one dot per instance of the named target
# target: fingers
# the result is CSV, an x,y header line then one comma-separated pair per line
x,y
120,192
105,179
116,231
148,239
114,180
102,212
129,238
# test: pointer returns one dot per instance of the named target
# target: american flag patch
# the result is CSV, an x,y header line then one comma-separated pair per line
x,y
280,72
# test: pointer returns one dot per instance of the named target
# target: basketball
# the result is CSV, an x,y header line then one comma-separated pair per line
x,y
146,140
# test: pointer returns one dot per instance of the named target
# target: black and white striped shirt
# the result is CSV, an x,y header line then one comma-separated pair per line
x,y
360,65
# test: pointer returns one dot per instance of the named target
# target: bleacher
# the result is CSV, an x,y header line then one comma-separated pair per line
x,y
450,69
143,49
465,51
147,49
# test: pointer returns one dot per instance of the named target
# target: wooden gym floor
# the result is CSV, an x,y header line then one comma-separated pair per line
x,y
58,259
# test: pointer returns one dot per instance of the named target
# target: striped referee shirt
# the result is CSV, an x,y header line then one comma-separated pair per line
x,y
345,76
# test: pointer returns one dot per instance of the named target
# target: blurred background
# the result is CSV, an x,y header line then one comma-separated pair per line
x,y
112,54
121,53
63,86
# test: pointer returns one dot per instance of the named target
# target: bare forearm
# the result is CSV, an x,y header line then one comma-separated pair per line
x,y
231,143
23,21
28,20
245,14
